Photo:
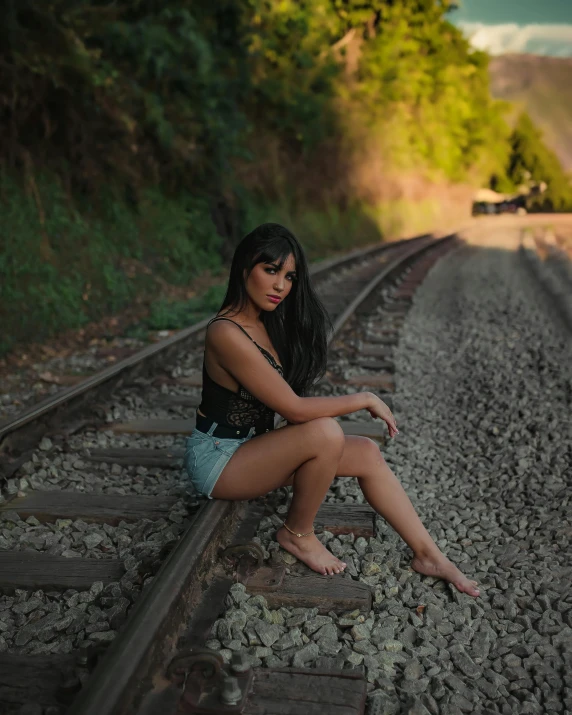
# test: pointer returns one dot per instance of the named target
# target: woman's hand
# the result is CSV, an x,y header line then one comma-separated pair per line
x,y
378,408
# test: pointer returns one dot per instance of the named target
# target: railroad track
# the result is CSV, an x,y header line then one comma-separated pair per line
x,y
158,662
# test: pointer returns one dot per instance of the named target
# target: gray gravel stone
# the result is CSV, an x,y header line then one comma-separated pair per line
x,y
413,670
267,632
43,629
306,655
327,632
314,624
291,639
329,646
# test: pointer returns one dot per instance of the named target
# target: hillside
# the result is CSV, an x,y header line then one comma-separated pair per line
x,y
541,86
139,141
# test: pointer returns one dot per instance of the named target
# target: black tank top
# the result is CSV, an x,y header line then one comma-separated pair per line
x,y
238,409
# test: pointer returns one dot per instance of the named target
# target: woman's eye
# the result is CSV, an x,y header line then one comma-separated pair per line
x,y
270,270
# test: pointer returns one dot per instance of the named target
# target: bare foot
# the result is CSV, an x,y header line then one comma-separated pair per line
x,y
311,551
441,567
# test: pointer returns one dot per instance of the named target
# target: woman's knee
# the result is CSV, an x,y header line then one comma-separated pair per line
x,y
369,452
325,431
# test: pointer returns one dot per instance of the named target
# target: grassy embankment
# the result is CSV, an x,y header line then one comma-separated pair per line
x,y
64,266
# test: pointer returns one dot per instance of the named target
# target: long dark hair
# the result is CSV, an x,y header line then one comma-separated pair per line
x,y
299,326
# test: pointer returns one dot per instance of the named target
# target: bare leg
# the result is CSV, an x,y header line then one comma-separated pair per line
x,y
312,450
362,459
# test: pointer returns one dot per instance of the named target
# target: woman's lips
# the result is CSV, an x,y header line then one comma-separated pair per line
x,y
274,298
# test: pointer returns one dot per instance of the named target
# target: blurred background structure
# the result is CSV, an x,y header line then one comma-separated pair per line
x,y
140,140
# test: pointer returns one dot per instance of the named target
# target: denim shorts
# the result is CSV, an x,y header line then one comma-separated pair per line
x,y
206,456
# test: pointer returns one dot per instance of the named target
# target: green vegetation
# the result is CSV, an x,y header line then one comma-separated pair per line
x,y
139,140
533,168
170,315
541,87
532,163
61,266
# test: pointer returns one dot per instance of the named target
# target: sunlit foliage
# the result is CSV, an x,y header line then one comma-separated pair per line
x,y
142,137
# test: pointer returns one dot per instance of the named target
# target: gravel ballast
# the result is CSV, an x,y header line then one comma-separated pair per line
x,y
483,402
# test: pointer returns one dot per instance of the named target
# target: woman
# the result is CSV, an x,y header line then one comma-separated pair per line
x,y
263,352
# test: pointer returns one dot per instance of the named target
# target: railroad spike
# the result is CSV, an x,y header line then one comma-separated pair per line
x,y
231,694
239,663
208,662
239,551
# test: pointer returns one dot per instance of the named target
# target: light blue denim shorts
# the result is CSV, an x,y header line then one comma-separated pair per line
x,y
206,456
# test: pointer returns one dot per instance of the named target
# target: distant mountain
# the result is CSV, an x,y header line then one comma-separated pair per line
x,y
543,87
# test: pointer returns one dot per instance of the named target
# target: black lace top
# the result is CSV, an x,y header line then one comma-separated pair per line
x,y
238,409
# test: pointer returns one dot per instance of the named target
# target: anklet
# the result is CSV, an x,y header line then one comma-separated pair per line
x,y
295,534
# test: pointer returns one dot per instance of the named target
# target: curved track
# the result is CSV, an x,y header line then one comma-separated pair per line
x,y
175,598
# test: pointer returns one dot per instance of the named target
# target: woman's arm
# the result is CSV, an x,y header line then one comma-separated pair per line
x,y
241,358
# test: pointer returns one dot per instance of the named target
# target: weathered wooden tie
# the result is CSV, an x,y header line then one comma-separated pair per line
x,y
384,382
306,692
185,427
131,456
31,570
326,593
91,508
399,307
195,380
153,426
268,691
167,401
374,351
385,366
33,678
356,519
384,338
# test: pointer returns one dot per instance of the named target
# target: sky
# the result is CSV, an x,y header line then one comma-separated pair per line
x,y
542,27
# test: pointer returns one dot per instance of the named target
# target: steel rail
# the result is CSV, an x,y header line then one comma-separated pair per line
x,y
381,276
135,651
68,394
159,610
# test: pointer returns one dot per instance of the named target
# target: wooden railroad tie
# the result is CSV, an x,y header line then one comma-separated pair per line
x,y
138,457
384,383
375,430
385,365
91,508
31,570
33,678
306,692
357,519
173,458
374,351
195,380
284,691
167,401
326,593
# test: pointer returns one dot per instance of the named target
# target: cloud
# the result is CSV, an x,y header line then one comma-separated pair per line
x,y
538,39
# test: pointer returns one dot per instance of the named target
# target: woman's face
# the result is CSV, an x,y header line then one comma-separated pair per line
x,y
268,284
